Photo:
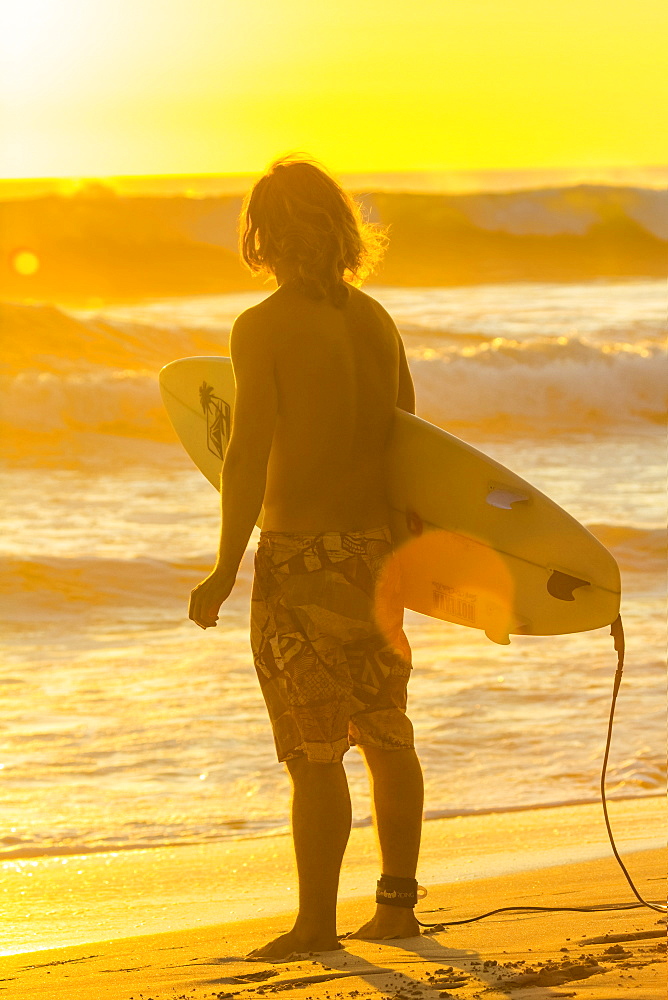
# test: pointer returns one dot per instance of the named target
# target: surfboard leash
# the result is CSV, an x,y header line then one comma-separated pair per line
x,y
617,632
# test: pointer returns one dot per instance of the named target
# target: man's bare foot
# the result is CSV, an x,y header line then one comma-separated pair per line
x,y
295,943
389,922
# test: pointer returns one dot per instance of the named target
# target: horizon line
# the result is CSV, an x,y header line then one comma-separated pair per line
x,y
419,171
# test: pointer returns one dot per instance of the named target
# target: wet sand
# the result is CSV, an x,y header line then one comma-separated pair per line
x,y
529,955
593,955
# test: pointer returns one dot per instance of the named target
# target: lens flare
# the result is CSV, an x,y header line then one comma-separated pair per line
x,y
454,578
25,262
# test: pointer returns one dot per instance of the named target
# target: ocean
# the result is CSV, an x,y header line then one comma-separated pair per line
x,y
125,726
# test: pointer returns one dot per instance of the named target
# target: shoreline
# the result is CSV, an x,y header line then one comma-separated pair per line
x,y
59,902
428,817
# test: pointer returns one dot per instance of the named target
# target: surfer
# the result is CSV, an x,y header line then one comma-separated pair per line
x,y
319,368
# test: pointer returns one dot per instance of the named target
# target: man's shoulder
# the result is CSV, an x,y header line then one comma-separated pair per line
x,y
253,321
375,307
250,317
371,307
251,334
263,315
363,296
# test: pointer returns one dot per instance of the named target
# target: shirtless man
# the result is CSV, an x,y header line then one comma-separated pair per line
x,y
319,368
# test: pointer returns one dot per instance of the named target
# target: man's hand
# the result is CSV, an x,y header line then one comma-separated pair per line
x,y
206,599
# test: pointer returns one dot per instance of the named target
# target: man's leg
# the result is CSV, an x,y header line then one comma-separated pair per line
x,y
321,821
398,797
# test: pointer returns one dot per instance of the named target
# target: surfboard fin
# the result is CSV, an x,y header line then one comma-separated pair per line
x,y
522,626
561,585
504,499
498,635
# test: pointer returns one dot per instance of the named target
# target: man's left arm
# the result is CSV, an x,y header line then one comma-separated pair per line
x,y
244,472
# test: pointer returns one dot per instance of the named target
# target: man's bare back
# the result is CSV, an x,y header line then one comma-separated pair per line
x,y
339,373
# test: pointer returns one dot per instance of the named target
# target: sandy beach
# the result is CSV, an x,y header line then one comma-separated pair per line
x,y
544,857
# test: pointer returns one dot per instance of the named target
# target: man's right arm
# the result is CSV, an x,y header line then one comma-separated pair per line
x,y
406,389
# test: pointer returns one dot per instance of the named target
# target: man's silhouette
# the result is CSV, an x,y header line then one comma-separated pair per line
x,y
319,368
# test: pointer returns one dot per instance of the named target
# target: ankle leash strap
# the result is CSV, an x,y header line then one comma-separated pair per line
x,y
394,891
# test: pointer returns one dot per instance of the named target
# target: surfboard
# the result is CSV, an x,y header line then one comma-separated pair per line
x,y
477,545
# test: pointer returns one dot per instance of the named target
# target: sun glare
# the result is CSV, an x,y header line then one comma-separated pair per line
x,y
25,262
117,87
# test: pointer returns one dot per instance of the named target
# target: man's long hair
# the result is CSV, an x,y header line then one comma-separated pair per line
x,y
298,215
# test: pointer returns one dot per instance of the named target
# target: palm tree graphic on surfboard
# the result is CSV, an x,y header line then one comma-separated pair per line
x,y
217,413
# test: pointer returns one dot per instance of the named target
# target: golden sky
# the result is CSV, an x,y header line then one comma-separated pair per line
x,y
110,87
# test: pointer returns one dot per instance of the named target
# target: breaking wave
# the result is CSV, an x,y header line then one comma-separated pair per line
x,y
100,244
87,373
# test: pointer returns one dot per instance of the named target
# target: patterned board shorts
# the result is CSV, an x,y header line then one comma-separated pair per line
x,y
328,643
